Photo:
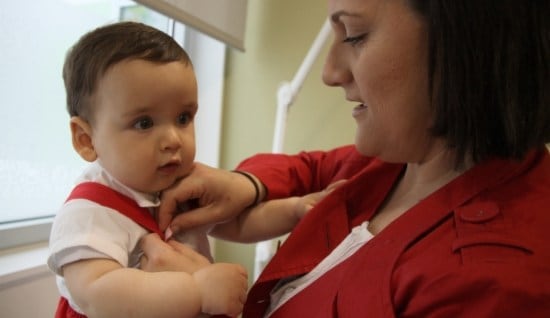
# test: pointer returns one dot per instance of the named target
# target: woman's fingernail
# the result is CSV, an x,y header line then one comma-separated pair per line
x,y
168,234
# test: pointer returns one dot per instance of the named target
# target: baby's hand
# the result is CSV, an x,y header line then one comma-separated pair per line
x,y
223,288
174,256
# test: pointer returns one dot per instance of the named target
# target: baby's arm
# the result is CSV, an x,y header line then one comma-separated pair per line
x,y
270,219
103,288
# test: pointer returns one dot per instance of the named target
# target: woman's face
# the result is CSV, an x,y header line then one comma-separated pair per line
x,y
379,58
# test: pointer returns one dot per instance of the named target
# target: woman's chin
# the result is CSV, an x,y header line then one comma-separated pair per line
x,y
362,148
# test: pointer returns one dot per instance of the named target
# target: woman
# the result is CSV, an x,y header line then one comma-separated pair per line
x,y
445,213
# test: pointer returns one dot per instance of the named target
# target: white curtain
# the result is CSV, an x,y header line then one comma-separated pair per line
x,y
224,20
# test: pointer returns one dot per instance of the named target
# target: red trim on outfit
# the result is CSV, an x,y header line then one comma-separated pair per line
x,y
110,198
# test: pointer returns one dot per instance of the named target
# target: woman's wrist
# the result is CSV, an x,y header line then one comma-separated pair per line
x,y
260,191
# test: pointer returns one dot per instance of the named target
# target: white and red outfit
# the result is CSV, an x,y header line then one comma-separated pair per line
x,y
477,247
102,218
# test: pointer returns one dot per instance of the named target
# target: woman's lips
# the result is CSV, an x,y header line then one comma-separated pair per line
x,y
357,110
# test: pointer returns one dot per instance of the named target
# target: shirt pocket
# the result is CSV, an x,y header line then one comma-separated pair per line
x,y
491,247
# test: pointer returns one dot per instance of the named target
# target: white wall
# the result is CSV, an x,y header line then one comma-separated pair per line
x,y
27,287
31,293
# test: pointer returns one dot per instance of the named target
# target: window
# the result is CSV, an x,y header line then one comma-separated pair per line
x,y
38,165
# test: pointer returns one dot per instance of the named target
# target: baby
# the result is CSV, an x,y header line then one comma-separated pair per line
x,y
132,97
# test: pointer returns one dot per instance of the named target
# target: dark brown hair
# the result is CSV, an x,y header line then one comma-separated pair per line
x,y
101,48
489,72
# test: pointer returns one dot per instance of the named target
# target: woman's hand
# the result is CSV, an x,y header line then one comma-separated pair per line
x,y
208,196
307,202
222,286
159,256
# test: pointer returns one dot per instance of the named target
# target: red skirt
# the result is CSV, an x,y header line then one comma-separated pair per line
x,y
64,310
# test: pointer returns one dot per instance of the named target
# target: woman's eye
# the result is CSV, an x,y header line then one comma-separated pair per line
x,y
143,123
355,40
184,118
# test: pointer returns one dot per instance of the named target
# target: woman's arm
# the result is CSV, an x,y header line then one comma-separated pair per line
x,y
303,173
221,195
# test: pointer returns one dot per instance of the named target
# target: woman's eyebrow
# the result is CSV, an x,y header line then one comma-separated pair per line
x,y
335,17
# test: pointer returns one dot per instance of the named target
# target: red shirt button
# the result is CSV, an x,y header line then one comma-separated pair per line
x,y
479,212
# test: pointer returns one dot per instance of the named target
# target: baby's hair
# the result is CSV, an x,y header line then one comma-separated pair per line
x,y
88,60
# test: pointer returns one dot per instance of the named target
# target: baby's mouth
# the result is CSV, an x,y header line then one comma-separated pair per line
x,y
170,167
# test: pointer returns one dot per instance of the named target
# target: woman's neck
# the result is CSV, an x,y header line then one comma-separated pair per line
x,y
418,181
431,174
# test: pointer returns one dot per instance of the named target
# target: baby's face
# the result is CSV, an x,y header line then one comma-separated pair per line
x,y
143,123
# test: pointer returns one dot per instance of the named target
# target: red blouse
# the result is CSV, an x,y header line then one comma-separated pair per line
x,y
478,247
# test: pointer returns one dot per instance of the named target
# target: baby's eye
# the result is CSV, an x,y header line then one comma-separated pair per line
x,y
185,118
355,40
143,123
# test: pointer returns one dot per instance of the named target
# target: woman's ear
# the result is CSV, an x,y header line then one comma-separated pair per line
x,y
81,132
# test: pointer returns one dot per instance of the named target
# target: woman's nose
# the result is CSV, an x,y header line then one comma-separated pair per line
x,y
335,72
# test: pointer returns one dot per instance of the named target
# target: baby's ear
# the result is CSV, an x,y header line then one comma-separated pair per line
x,y
81,132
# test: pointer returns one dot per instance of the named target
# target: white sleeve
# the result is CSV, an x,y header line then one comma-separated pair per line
x,y
83,229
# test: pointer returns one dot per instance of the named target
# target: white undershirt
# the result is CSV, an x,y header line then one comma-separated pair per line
x,y
358,237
